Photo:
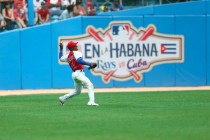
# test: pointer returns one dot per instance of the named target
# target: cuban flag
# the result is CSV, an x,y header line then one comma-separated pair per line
x,y
168,48
120,29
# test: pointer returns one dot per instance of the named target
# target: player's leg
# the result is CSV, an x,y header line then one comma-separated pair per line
x,y
77,91
87,83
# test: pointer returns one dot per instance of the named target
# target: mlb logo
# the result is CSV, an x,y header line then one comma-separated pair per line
x,y
120,29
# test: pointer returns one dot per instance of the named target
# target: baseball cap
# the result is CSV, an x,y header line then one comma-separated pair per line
x,y
71,44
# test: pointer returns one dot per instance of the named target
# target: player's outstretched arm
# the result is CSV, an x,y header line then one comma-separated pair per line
x,y
83,62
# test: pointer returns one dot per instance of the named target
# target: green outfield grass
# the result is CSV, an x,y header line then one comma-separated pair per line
x,y
179,115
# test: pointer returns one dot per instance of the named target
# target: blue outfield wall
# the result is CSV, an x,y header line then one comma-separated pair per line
x,y
208,50
10,66
208,7
29,57
36,57
193,70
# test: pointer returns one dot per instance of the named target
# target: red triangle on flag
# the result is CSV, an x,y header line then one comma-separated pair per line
x,y
163,48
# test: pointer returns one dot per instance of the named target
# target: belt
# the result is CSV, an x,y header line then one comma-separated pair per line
x,y
78,70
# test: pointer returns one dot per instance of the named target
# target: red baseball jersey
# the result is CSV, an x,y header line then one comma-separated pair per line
x,y
71,59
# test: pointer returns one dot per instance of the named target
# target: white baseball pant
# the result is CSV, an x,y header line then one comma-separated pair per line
x,y
81,80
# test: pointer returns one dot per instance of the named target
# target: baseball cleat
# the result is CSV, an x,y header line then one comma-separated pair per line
x,y
61,100
92,104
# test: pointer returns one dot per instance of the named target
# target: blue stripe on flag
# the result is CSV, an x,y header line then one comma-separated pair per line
x,y
169,44
171,48
169,53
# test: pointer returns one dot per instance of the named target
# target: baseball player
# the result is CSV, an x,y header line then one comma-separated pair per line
x,y
76,63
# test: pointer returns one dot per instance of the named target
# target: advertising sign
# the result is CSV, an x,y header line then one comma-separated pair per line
x,y
123,52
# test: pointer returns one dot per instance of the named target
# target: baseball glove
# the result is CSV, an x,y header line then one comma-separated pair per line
x,y
93,66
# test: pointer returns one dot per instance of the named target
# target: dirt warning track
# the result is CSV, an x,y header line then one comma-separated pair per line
x,y
99,90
